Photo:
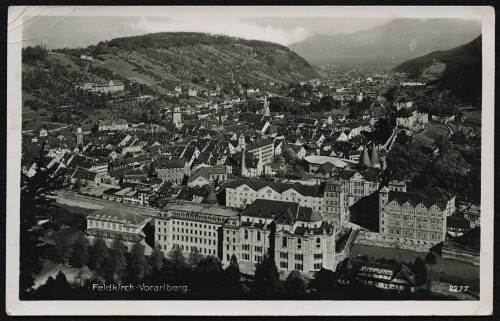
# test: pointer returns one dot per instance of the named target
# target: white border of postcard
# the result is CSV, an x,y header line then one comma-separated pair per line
x,y
485,306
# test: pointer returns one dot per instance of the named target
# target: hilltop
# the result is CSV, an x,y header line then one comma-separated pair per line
x,y
169,59
462,72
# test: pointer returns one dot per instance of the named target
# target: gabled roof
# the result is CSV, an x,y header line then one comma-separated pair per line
x,y
84,174
368,174
206,172
163,163
416,199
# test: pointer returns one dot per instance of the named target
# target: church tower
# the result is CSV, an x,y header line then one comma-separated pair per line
x,y
241,142
374,156
267,111
243,172
79,136
177,117
365,160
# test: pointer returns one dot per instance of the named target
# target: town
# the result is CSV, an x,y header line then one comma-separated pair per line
x,y
361,182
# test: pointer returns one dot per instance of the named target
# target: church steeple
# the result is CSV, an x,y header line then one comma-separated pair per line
x,y
374,156
241,142
365,160
267,111
243,164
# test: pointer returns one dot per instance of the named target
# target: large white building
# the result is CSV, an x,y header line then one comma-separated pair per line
x,y
295,237
186,226
241,192
115,222
263,150
413,218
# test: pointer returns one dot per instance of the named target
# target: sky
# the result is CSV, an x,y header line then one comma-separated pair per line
x,y
81,27
72,26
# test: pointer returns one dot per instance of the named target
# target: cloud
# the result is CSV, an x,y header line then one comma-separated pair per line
x,y
222,25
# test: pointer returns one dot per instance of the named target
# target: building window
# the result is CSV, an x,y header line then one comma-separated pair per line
x,y
318,243
285,242
246,234
298,266
284,255
299,244
258,236
284,265
299,257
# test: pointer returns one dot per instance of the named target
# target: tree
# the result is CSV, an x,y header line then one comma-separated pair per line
x,y
208,277
98,256
138,265
430,258
62,249
77,186
80,252
156,260
295,286
54,288
34,203
232,272
177,259
421,271
323,282
116,264
266,281
234,288
194,257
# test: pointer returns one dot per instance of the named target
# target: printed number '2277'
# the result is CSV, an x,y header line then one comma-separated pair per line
x,y
458,288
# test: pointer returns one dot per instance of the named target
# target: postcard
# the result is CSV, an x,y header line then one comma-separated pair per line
x,y
220,160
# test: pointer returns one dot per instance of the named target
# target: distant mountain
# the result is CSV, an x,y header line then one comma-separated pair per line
x,y
463,69
396,41
175,58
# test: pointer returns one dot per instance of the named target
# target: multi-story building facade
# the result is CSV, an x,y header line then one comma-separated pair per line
x,y
116,124
113,222
171,170
263,150
412,217
241,192
296,237
187,226
334,202
352,185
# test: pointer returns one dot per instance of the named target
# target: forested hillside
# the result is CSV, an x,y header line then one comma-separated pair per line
x,y
170,59
462,74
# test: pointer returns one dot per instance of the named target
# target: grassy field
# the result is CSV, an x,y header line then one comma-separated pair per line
x,y
64,60
125,69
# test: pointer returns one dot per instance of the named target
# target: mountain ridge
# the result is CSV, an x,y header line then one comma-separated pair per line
x,y
403,38
462,74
